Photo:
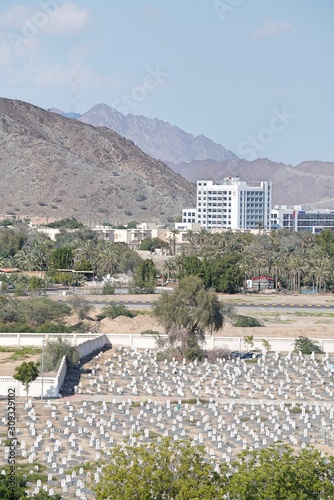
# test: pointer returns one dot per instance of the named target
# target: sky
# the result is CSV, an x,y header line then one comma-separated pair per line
x,y
256,76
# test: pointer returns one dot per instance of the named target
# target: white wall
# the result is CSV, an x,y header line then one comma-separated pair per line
x,y
51,385
89,342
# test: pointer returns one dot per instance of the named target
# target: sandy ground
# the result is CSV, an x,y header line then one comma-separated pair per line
x,y
7,366
289,323
280,326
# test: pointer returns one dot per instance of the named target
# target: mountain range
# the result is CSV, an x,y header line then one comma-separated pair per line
x,y
55,167
155,137
309,183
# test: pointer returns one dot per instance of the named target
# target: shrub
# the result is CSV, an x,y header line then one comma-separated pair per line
x,y
39,311
67,223
81,307
245,321
115,310
136,290
6,222
52,328
108,289
15,328
55,350
307,346
61,278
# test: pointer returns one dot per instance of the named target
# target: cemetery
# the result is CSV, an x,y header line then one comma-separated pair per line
x,y
131,395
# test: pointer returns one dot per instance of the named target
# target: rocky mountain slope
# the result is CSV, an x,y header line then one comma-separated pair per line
x,y
157,138
310,183
54,167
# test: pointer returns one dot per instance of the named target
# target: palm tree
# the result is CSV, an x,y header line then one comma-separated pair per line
x,y
170,267
201,237
106,259
172,239
87,250
191,245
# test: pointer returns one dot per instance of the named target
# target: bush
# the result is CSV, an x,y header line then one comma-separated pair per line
x,y
81,307
244,321
108,289
39,311
68,223
115,310
55,350
52,328
307,346
136,290
16,328
61,278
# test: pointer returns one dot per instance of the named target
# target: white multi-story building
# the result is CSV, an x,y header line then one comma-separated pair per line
x,y
231,204
301,218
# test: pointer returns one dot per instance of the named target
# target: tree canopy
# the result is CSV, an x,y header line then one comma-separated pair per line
x,y
177,470
170,470
187,313
26,373
279,472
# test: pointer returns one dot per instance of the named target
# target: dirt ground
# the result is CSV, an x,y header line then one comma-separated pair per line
x,y
7,366
287,322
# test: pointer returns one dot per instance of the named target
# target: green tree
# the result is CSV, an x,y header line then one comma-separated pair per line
x,y
11,241
249,341
188,265
9,310
145,276
187,313
223,273
8,492
168,470
326,241
83,265
37,311
56,349
43,495
127,260
26,373
278,472
307,346
75,239
68,223
152,244
114,310
17,491
61,258
132,224
266,344
106,258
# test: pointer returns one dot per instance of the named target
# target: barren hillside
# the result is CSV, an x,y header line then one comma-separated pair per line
x,y
53,167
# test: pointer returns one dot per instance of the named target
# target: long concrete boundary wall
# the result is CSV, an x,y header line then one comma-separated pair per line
x,y
89,342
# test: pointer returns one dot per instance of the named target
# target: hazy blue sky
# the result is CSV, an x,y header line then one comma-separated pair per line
x,y
257,76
